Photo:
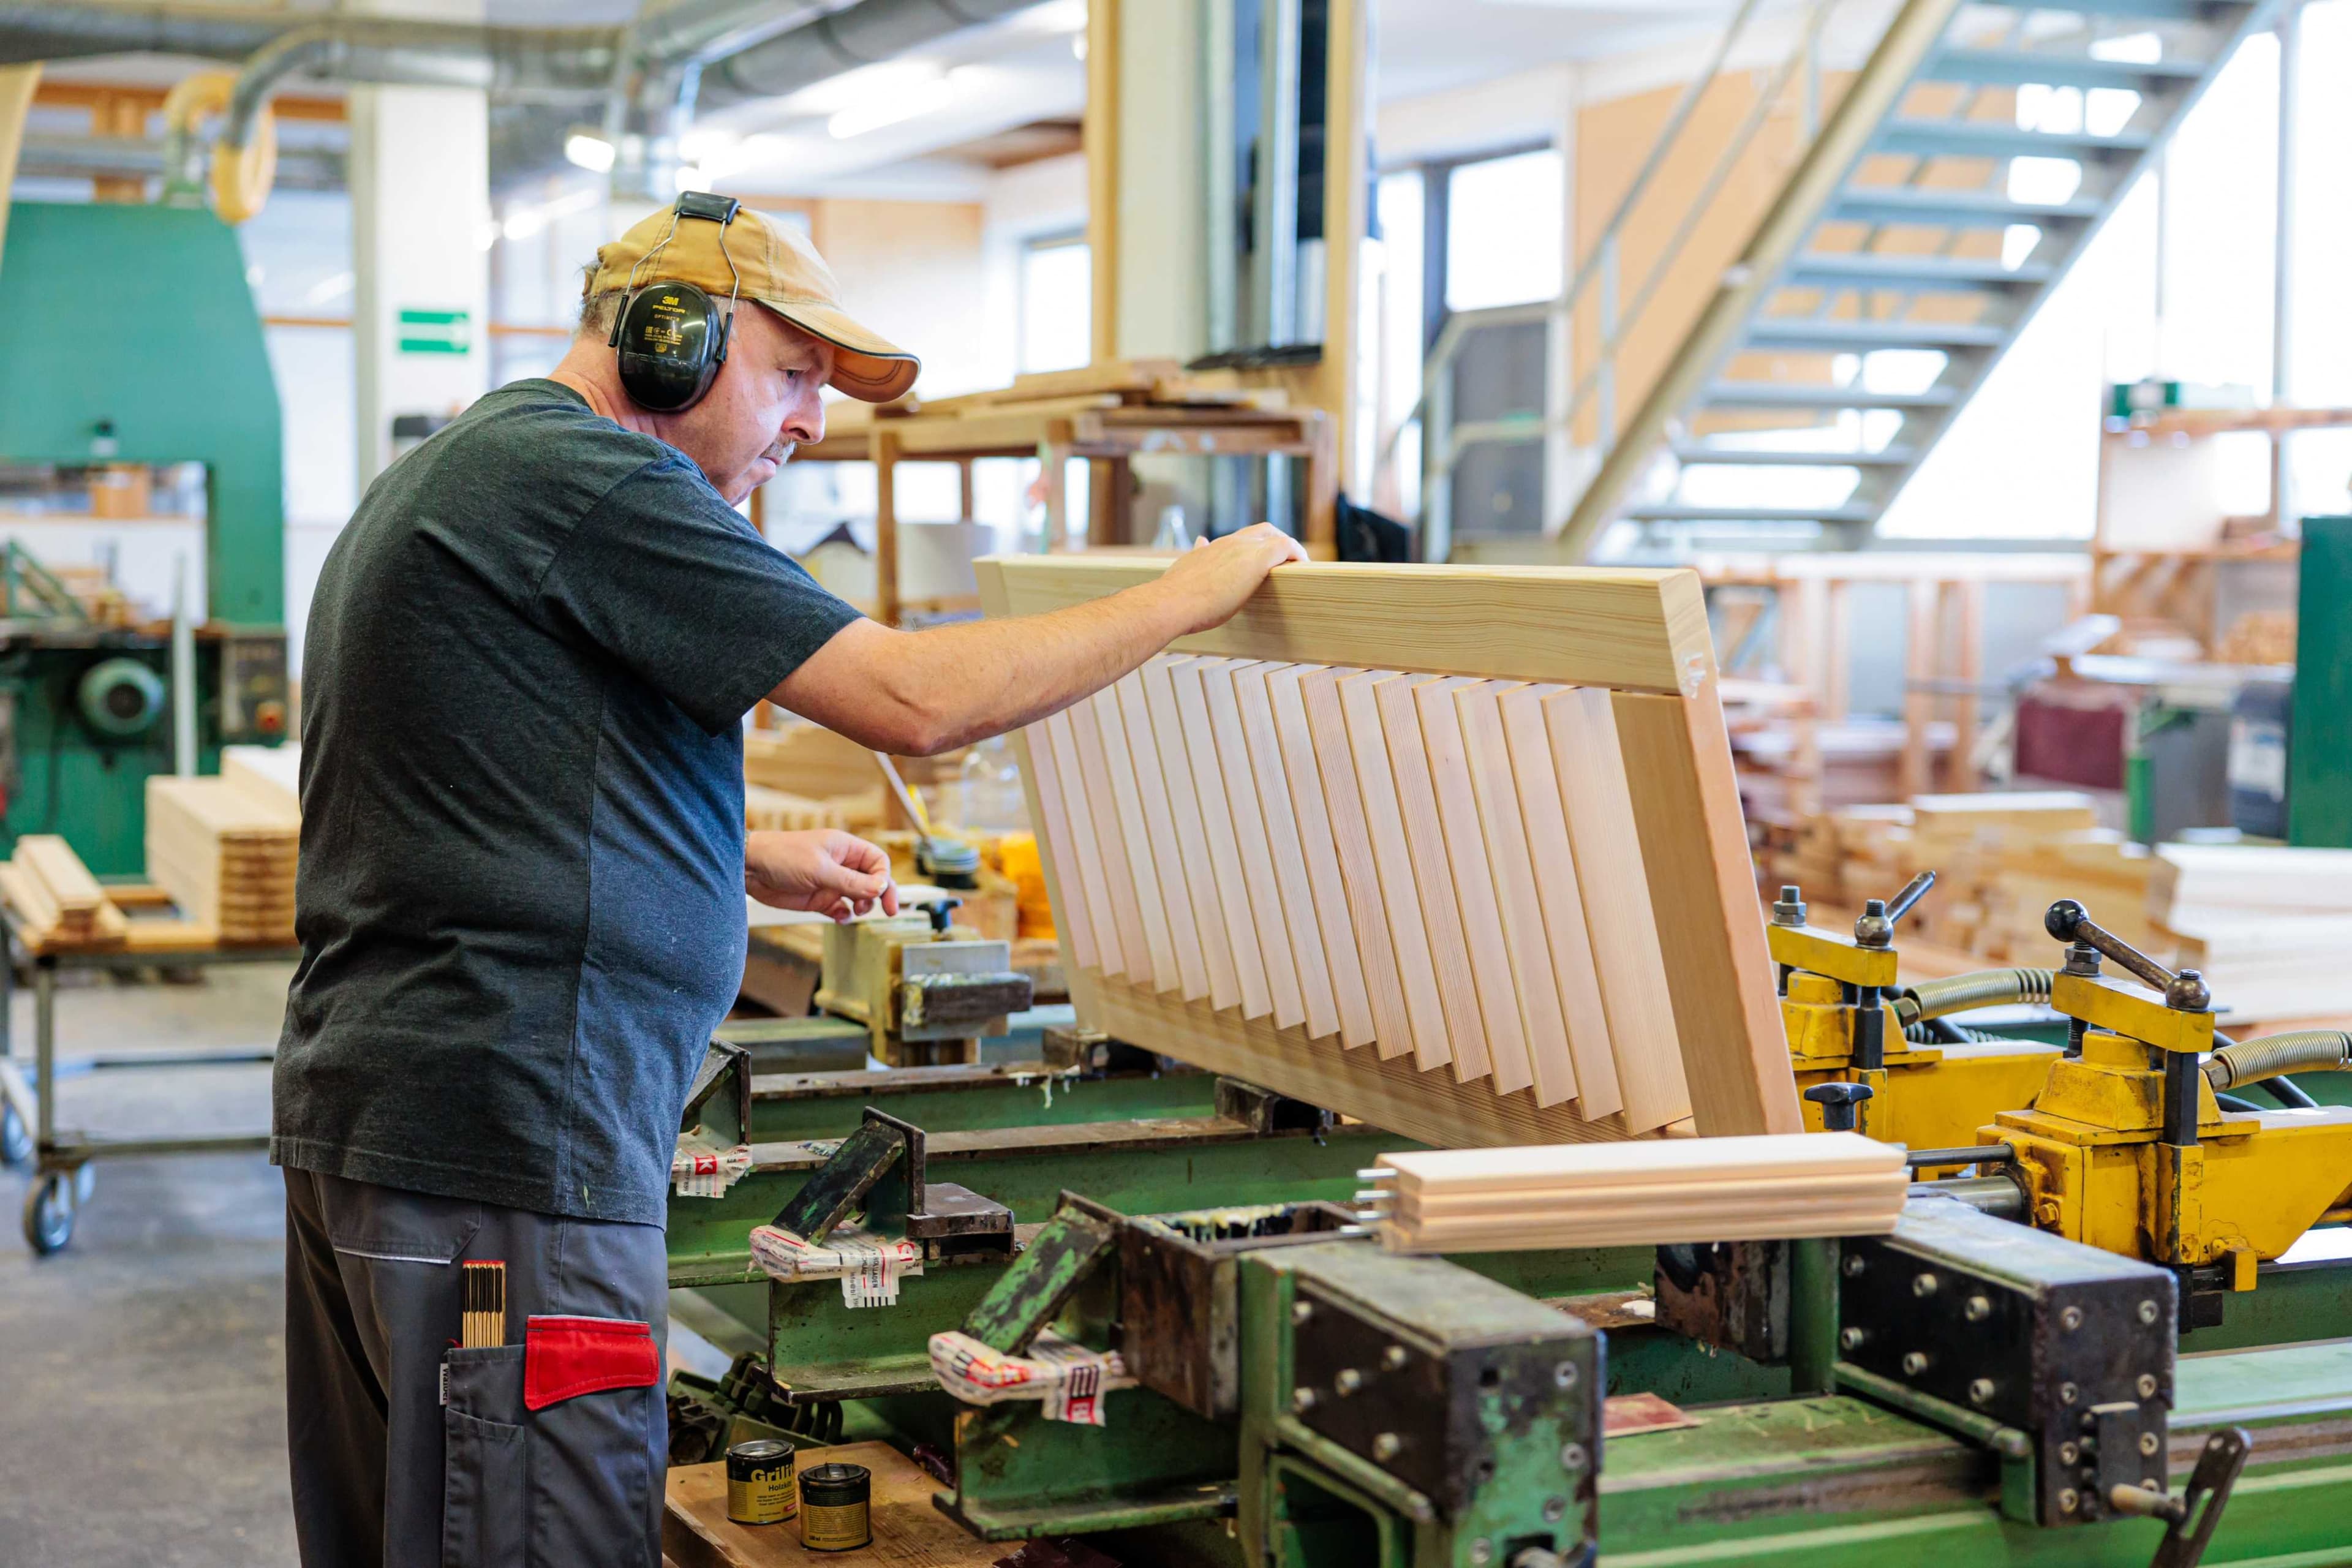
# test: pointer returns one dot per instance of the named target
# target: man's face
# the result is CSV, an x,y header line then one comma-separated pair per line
x,y
765,402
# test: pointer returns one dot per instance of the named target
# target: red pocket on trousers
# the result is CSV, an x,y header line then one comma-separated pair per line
x,y
565,1357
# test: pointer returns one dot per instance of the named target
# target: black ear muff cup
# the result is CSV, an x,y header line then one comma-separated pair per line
x,y
669,342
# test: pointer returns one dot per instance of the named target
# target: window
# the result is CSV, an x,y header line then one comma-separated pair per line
x,y
1056,304
1506,224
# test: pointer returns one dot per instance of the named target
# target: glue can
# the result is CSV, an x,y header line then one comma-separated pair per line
x,y
835,1507
759,1482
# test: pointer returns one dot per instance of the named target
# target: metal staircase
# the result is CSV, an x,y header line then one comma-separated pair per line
x,y
1967,166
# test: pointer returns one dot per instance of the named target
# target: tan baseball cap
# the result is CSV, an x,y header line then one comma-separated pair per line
x,y
780,268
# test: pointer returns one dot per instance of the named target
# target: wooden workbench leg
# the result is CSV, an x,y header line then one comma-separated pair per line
x,y
1053,460
1964,603
968,493
1837,651
1110,501
1919,658
886,527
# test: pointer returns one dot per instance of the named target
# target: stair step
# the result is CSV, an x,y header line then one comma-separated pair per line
x,y
1973,139
1691,454
2148,10
1683,512
1877,270
2016,68
1806,332
1953,209
1795,394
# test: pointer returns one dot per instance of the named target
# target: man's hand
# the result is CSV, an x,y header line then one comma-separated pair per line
x,y
1209,582
828,873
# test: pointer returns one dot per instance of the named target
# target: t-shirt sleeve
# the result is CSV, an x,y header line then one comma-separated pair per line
x,y
674,583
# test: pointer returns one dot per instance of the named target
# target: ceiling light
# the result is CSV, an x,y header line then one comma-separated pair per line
x,y
909,102
590,150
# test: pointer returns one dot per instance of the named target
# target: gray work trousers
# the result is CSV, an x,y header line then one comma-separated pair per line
x,y
396,1468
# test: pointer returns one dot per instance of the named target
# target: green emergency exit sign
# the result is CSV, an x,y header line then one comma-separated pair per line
x,y
435,332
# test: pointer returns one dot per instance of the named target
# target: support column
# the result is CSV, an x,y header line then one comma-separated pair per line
x,y
420,206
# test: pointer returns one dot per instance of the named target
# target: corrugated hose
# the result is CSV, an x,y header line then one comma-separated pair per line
x,y
1965,993
2305,1050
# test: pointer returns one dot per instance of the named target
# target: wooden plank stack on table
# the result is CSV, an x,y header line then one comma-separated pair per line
x,y
1457,851
58,902
2270,929
225,854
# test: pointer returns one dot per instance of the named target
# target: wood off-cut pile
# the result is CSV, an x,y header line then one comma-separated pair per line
x,y
2270,929
225,854
58,903
1759,1188
769,810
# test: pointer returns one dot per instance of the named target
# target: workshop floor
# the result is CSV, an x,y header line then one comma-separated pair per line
x,y
142,1370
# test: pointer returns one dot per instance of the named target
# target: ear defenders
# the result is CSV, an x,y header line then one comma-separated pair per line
x,y
668,338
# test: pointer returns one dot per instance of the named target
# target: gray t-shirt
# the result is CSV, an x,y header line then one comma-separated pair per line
x,y
520,897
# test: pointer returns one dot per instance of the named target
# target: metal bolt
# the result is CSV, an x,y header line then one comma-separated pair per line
x,y
2069,1452
1924,1285
1853,1263
2068,1394
2068,1501
1482,1552
1978,1310
1302,1399
2070,1318
2147,1385
2147,1312
1914,1363
1981,1391
1850,1338
1393,1357
2147,1443
1348,1382
2214,1444
1571,1456
1387,1446
1554,1510
1301,1310
1564,1374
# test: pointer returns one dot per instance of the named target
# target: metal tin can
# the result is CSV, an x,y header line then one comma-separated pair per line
x,y
835,1503
759,1482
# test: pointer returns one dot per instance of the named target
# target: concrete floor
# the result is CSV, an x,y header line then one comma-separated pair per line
x,y
143,1374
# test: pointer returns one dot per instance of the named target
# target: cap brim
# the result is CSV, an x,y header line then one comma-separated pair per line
x,y
867,366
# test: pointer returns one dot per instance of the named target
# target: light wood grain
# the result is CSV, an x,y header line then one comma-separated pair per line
x,y
70,883
1637,630
1432,874
1312,815
1136,834
1392,862
1288,859
1159,821
1677,768
1268,919
1474,882
1111,844
227,858
1072,912
1343,803
1193,851
1492,782
1552,861
1226,867
909,1532
1088,889
1619,918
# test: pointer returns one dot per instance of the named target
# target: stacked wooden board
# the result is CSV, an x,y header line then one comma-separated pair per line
x,y
2270,929
1456,851
1680,1190
769,810
225,854
1162,384
57,902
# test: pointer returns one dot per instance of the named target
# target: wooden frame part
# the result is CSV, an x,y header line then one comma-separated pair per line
x,y
1483,821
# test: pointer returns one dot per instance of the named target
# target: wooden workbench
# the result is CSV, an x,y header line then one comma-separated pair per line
x,y
908,1531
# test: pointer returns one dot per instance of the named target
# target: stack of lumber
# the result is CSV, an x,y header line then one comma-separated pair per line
x,y
225,854
273,774
1761,1188
1160,383
58,903
834,780
769,810
2270,929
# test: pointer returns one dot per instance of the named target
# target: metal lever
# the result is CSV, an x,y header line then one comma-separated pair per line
x,y
2187,1528
942,913
1841,1104
1877,926
2069,922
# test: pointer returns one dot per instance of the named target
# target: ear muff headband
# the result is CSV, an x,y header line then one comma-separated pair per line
x,y
669,338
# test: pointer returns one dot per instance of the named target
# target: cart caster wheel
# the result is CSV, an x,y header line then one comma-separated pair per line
x,y
49,1213
16,1139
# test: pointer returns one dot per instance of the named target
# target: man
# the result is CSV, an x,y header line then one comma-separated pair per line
x,y
523,861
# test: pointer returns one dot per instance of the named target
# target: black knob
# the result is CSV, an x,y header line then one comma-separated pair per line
x,y
1839,1104
2063,919
941,911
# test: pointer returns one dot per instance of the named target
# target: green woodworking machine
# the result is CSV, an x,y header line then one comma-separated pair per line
x,y
137,369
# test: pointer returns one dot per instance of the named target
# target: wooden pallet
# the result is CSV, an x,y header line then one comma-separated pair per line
x,y
1456,851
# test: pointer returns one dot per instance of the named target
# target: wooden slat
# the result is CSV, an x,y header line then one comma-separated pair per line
x,y
1637,630
1159,821
1268,917
1226,867
1111,844
1432,874
1089,888
1367,918
1289,861
1474,882
1312,816
1618,918
1552,861
1053,823
1192,852
1694,849
68,881
1492,782
1127,796
1416,968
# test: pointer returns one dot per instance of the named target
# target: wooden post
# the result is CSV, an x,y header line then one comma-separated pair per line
x,y
1919,656
1322,484
884,444
1347,141
1100,133
1965,602
1837,650
1054,457
966,490
1110,501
